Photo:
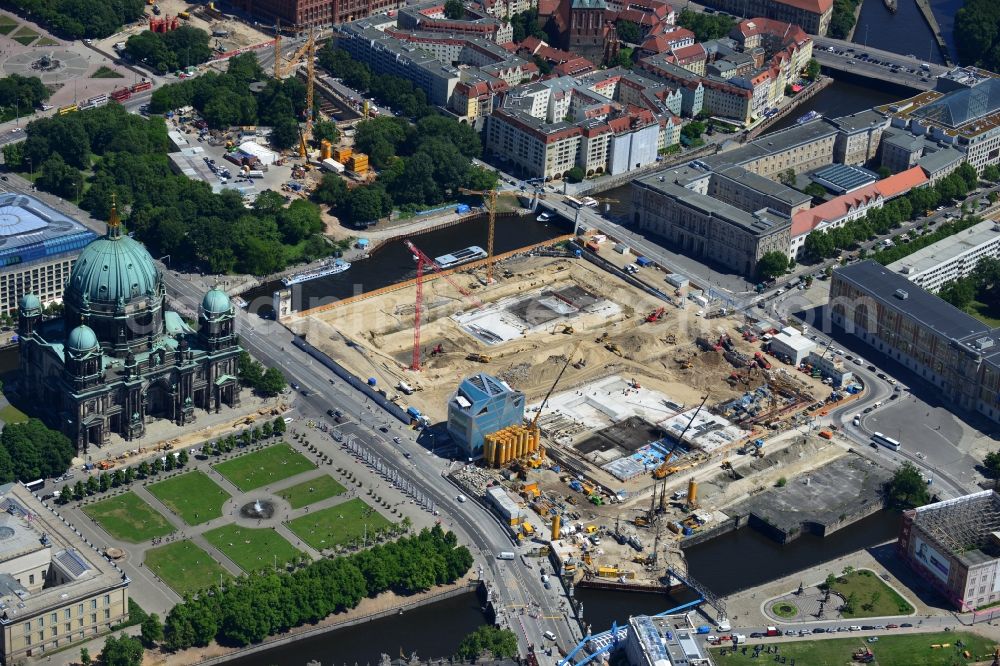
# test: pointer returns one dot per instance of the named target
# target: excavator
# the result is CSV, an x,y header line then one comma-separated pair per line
x,y
614,349
562,328
479,358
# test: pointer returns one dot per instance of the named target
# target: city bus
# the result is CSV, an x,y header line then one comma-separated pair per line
x,y
887,442
573,201
35,485
69,108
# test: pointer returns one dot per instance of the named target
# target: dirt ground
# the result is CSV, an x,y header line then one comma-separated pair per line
x,y
374,338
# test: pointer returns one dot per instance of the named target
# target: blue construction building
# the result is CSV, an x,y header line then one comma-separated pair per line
x,y
482,404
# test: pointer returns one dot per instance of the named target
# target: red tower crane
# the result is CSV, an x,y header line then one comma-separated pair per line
x,y
423,260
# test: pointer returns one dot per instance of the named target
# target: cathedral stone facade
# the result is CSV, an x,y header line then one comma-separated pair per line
x,y
117,358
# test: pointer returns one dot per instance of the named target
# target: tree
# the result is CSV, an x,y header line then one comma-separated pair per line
x,y
85,658
831,580
576,174
272,383
812,69
30,451
850,603
366,204
706,26
907,488
978,24
482,179
628,31
501,643
122,651
992,464
771,265
278,425
182,457
883,172
959,293
787,176
152,630
782,482
815,190
693,130
79,491
285,133
991,173
325,129
454,9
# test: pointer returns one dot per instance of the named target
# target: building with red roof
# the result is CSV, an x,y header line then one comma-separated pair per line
x,y
812,15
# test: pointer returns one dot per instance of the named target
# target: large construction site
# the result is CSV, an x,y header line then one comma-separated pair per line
x,y
624,396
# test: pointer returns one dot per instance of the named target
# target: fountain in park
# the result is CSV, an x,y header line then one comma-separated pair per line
x,y
257,509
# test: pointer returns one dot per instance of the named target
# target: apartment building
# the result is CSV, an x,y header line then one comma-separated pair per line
x,y
860,137
950,258
430,17
305,13
55,589
38,250
952,350
812,15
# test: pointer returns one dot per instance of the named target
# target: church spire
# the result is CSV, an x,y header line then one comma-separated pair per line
x,y
114,222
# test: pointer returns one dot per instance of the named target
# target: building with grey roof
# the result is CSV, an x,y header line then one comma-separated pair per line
x,y
841,178
55,588
800,148
950,258
38,248
955,546
860,136
957,353
748,191
676,205
939,161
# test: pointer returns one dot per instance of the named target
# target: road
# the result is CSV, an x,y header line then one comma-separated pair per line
x,y
875,63
516,586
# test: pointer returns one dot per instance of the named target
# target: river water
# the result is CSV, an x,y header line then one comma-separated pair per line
x,y
392,263
434,630
906,32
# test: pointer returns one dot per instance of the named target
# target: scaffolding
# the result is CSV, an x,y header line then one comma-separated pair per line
x,y
963,524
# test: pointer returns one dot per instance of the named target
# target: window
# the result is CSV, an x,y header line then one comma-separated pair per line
x,y
27,640
31,579
41,621
67,614
107,613
79,610
69,627
93,618
107,599
93,604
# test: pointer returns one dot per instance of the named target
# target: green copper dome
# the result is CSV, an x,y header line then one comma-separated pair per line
x,y
216,302
81,339
112,269
29,303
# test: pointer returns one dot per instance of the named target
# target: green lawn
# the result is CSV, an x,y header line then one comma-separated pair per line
x,y
252,549
984,313
337,524
46,41
7,20
785,609
185,566
11,414
899,650
25,35
192,496
128,518
312,491
863,584
7,28
264,467
106,73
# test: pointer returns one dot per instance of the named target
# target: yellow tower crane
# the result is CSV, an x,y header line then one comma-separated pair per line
x,y
491,196
283,69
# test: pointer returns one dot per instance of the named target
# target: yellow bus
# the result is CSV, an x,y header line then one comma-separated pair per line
x,y
70,108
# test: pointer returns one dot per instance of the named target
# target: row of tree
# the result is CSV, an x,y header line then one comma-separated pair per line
x,y
501,643
250,609
30,451
977,32
169,51
393,91
821,245
169,212
843,19
74,19
20,94
913,243
267,382
706,26
982,285
147,469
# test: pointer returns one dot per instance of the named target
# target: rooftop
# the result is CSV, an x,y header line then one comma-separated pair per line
x,y
959,107
845,178
773,142
940,159
887,288
766,185
901,183
88,572
946,249
964,526
32,231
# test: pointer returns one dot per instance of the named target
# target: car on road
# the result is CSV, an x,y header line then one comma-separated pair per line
x,y
867,627
869,410
893,396
549,636
819,630
906,625
856,422
892,626
790,632
854,627
757,634
295,387
872,368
